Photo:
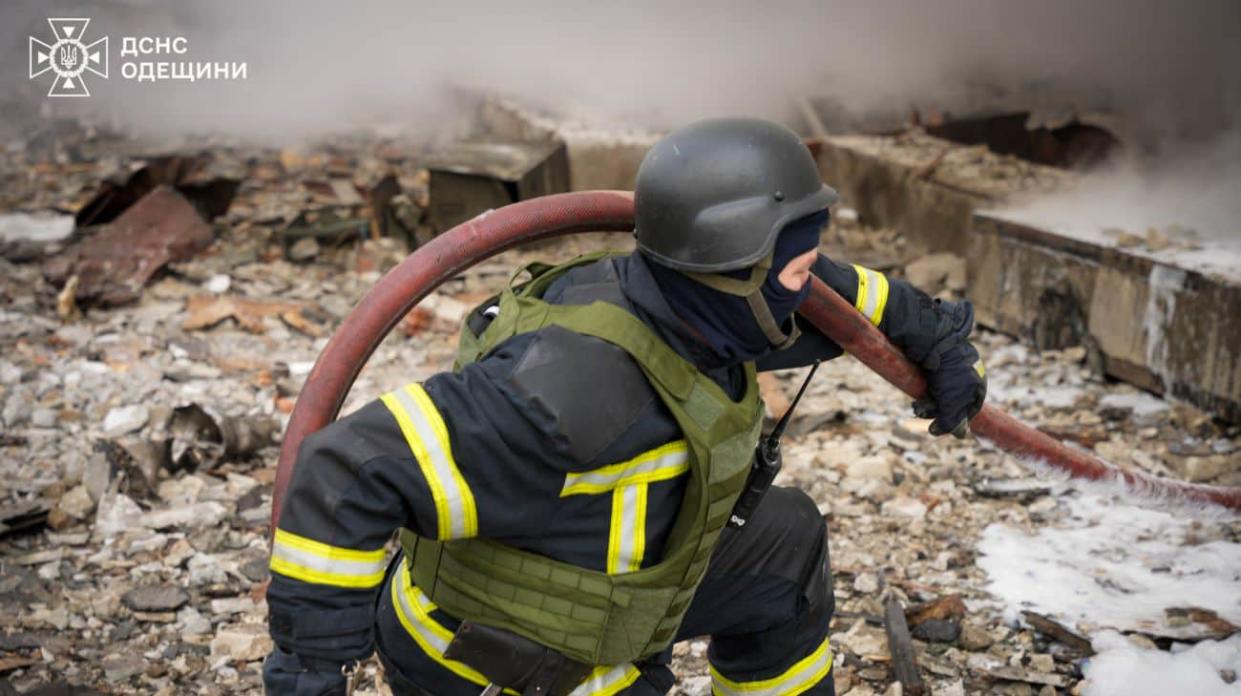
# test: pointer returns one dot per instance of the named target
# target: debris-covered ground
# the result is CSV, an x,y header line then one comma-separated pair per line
x,y
141,422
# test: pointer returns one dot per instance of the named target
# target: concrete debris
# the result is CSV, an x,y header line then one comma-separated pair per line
x,y
438,312
242,643
304,249
119,667
123,420
205,514
218,283
24,237
911,508
145,437
115,515
72,506
872,468
155,598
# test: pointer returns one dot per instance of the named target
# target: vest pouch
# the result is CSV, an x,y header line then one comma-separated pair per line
x,y
513,662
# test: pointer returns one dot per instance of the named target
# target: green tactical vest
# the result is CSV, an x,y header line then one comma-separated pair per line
x,y
590,616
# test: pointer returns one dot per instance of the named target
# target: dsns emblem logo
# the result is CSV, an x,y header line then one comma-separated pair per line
x,y
69,58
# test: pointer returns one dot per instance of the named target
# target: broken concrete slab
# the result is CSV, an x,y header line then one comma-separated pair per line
x,y
1146,315
1154,322
472,177
598,159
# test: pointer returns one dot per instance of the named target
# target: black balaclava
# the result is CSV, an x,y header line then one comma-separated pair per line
x,y
726,322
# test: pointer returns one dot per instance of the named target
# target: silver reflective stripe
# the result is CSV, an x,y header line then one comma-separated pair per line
x,y
872,294
430,640
800,677
333,566
607,683
609,477
441,463
628,529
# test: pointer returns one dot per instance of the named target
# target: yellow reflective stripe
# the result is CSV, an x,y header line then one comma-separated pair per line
x,y
312,561
607,681
639,529
797,679
413,610
627,535
980,368
616,531
660,464
427,436
872,293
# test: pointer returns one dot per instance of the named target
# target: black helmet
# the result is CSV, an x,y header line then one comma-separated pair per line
x,y
712,196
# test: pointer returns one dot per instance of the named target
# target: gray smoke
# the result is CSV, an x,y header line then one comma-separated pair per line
x,y
1168,67
1166,70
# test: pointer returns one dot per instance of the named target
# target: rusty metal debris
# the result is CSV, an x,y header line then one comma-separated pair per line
x,y
210,195
117,261
200,439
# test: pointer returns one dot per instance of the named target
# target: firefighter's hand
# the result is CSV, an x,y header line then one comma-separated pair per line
x,y
285,674
956,391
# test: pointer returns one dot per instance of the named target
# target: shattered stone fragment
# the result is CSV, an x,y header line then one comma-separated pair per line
x,y
119,667
241,643
125,419
155,598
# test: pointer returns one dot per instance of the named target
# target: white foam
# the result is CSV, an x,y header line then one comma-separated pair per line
x,y
1122,669
1111,564
1141,403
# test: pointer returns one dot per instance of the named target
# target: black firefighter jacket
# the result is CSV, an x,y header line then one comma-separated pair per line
x,y
553,442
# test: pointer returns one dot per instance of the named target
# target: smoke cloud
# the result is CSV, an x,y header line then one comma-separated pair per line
x,y
1166,70
315,66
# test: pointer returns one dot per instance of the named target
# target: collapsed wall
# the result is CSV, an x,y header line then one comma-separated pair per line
x,y
1149,313
1161,311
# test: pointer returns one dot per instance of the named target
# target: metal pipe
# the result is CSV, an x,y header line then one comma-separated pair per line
x,y
610,211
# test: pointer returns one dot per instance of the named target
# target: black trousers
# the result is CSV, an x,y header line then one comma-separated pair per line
x,y
765,604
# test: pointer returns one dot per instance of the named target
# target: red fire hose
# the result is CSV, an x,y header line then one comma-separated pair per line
x,y
610,211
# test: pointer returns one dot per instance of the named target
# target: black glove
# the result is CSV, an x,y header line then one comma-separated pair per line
x,y
956,391
286,674
956,379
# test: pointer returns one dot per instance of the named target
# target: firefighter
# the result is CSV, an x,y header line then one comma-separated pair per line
x,y
563,495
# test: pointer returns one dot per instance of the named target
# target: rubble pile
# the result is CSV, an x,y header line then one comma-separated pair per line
x,y
139,440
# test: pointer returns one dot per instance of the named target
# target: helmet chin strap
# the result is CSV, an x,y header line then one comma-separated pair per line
x,y
752,290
